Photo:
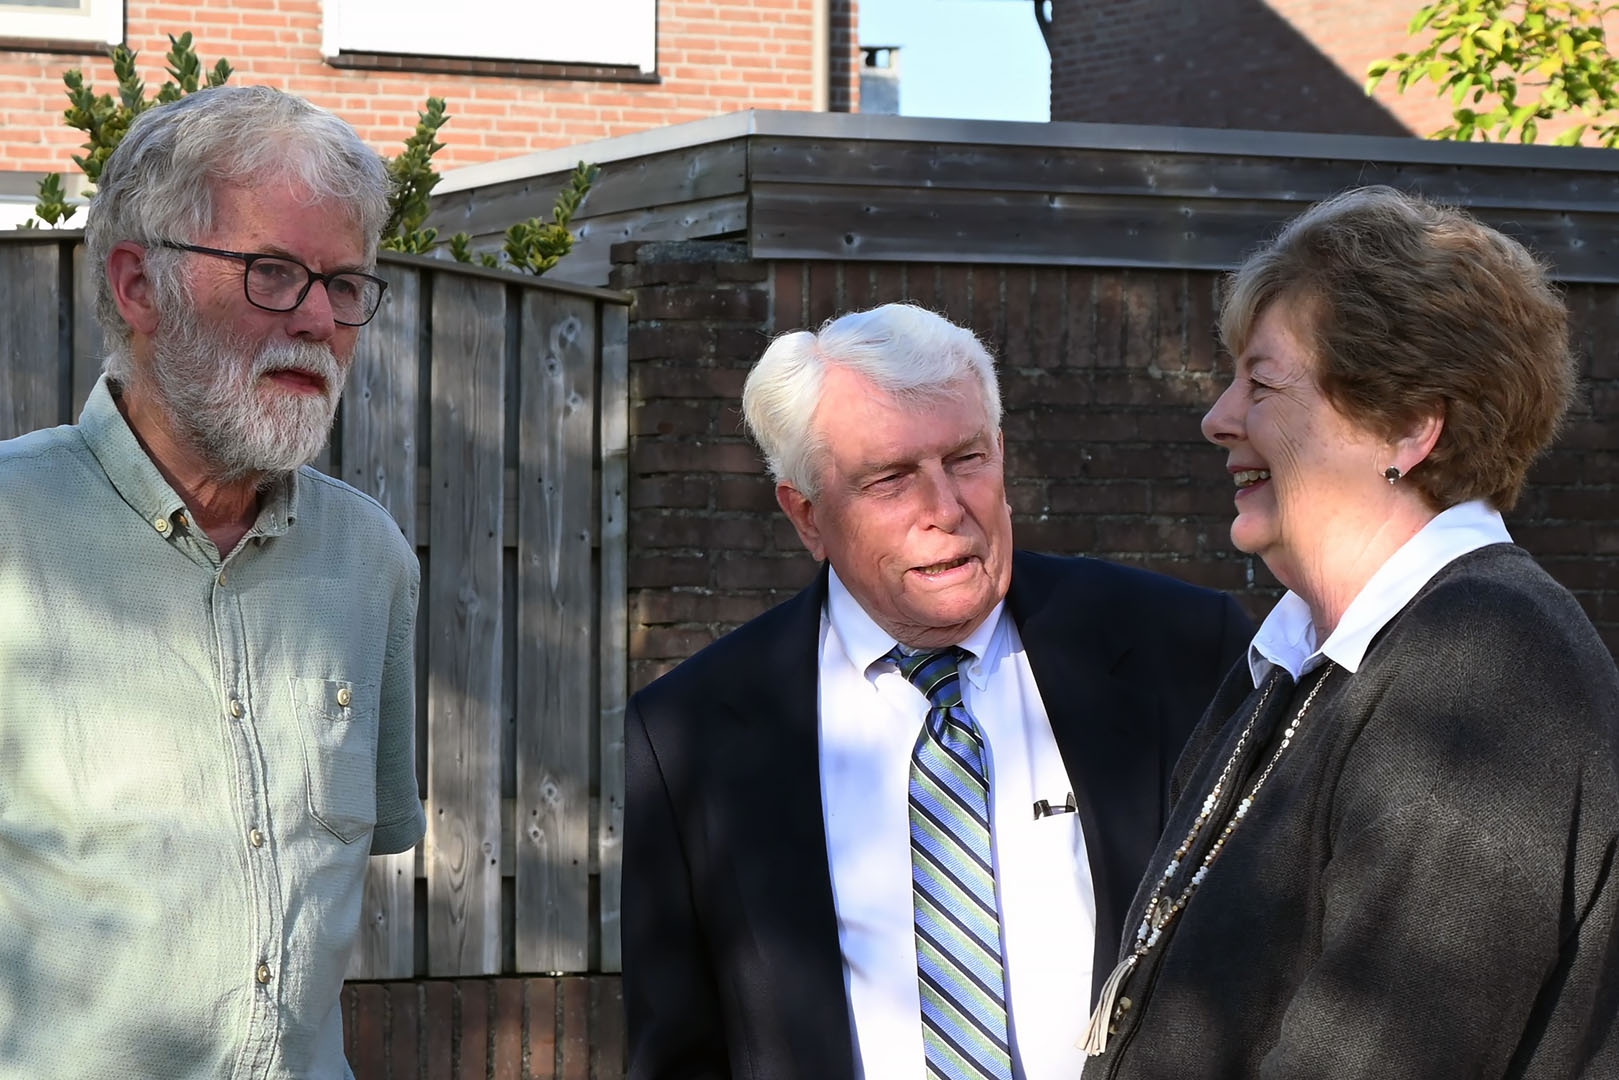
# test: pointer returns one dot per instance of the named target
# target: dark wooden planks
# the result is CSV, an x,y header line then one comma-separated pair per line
x,y
31,314
464,643
1164,174
89,344
380,407
590,259
613,601
555,615
684,194
486,1029
817,221
690,174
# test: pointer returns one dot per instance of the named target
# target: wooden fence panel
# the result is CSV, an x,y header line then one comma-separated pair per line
x,y
464,649
30,341
378,440
614,642
555,642
89,345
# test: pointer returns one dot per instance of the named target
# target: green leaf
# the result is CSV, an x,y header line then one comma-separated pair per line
x,y
1467,51
52,206
1571,137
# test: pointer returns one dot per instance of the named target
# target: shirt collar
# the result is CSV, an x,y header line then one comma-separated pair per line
x,y
865,643
139,483
1287,638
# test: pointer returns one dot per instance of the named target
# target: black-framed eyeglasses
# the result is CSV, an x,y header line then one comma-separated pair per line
x,y
279,283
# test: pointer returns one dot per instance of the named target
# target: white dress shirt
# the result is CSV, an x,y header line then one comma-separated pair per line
x,y
870,718
1287,637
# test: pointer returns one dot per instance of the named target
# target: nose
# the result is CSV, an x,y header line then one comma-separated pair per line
x,y
313,319
942,492
1223,422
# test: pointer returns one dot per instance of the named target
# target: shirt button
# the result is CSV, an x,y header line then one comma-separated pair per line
x,y
262,974
236,709
161,524
256,838
221,579
344,696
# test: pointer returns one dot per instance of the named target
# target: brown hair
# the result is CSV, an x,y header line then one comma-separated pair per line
x,y
1413,308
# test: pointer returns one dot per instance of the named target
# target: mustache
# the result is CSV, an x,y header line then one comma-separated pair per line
x,y
309,356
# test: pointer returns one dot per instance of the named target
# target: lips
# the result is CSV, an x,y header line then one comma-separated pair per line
x,y
299,380
938,568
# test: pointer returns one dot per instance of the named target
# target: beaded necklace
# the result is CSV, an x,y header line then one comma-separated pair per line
x,y
1161,910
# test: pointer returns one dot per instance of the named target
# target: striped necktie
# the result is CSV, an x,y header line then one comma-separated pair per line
x,y
958,929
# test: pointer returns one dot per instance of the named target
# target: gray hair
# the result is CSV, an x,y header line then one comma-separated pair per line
x,y
161,182
907,351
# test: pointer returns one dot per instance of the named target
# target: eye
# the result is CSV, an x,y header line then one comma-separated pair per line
x,y
273,274
1259,384
885,482
343,288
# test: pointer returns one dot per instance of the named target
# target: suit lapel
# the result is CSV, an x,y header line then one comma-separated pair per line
x,y
1106,728
774,766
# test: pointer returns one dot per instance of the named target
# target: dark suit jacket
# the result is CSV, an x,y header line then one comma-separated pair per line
x,y
732,966
1425,887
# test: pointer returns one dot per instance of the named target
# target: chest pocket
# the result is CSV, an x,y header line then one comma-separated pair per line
x,y
338,723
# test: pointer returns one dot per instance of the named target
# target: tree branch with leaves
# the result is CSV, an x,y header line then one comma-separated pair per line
x,y
533,246
1509,66
106,121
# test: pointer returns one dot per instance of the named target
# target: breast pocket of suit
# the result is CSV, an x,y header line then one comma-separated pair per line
x,y
337,721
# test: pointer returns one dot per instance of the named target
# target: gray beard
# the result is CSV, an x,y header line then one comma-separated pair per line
x,y
210,381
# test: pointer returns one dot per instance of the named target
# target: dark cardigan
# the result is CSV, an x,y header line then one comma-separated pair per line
x,y
1427,886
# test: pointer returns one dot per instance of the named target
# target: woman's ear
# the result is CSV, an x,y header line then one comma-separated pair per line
x,y
1413,447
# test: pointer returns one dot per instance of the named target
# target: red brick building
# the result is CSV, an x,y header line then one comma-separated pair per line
x,y
1269,65
519,75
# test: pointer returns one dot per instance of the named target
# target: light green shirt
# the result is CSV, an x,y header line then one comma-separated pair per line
x,y
196,757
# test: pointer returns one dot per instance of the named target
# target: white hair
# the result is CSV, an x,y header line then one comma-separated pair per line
x,y
160,183
907,351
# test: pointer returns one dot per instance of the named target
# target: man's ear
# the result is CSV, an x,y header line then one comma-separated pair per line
x,y
801,512
131,288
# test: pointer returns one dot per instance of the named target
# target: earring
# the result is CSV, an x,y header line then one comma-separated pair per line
x,y
1392,473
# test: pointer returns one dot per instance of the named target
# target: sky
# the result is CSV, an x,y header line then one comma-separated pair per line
x,y
973,59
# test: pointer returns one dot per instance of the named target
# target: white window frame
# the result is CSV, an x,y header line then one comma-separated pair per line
x,y
94,22
601,33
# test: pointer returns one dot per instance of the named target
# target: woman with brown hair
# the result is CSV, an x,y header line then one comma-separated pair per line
x,y
1395,850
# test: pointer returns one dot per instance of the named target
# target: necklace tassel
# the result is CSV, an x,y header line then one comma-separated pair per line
x,y
1096,1032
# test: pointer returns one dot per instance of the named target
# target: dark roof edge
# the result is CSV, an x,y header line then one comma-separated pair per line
x,y
1126,137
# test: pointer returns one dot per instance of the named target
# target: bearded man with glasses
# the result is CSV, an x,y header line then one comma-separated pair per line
x,y
206,647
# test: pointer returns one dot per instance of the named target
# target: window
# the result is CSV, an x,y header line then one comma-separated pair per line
x,y
594,33
93,24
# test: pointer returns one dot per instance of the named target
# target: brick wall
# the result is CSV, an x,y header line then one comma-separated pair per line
x,y
1105,376
714,56
1281,65
843,91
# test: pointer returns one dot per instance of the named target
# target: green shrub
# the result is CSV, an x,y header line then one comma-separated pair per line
x,y
533,246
